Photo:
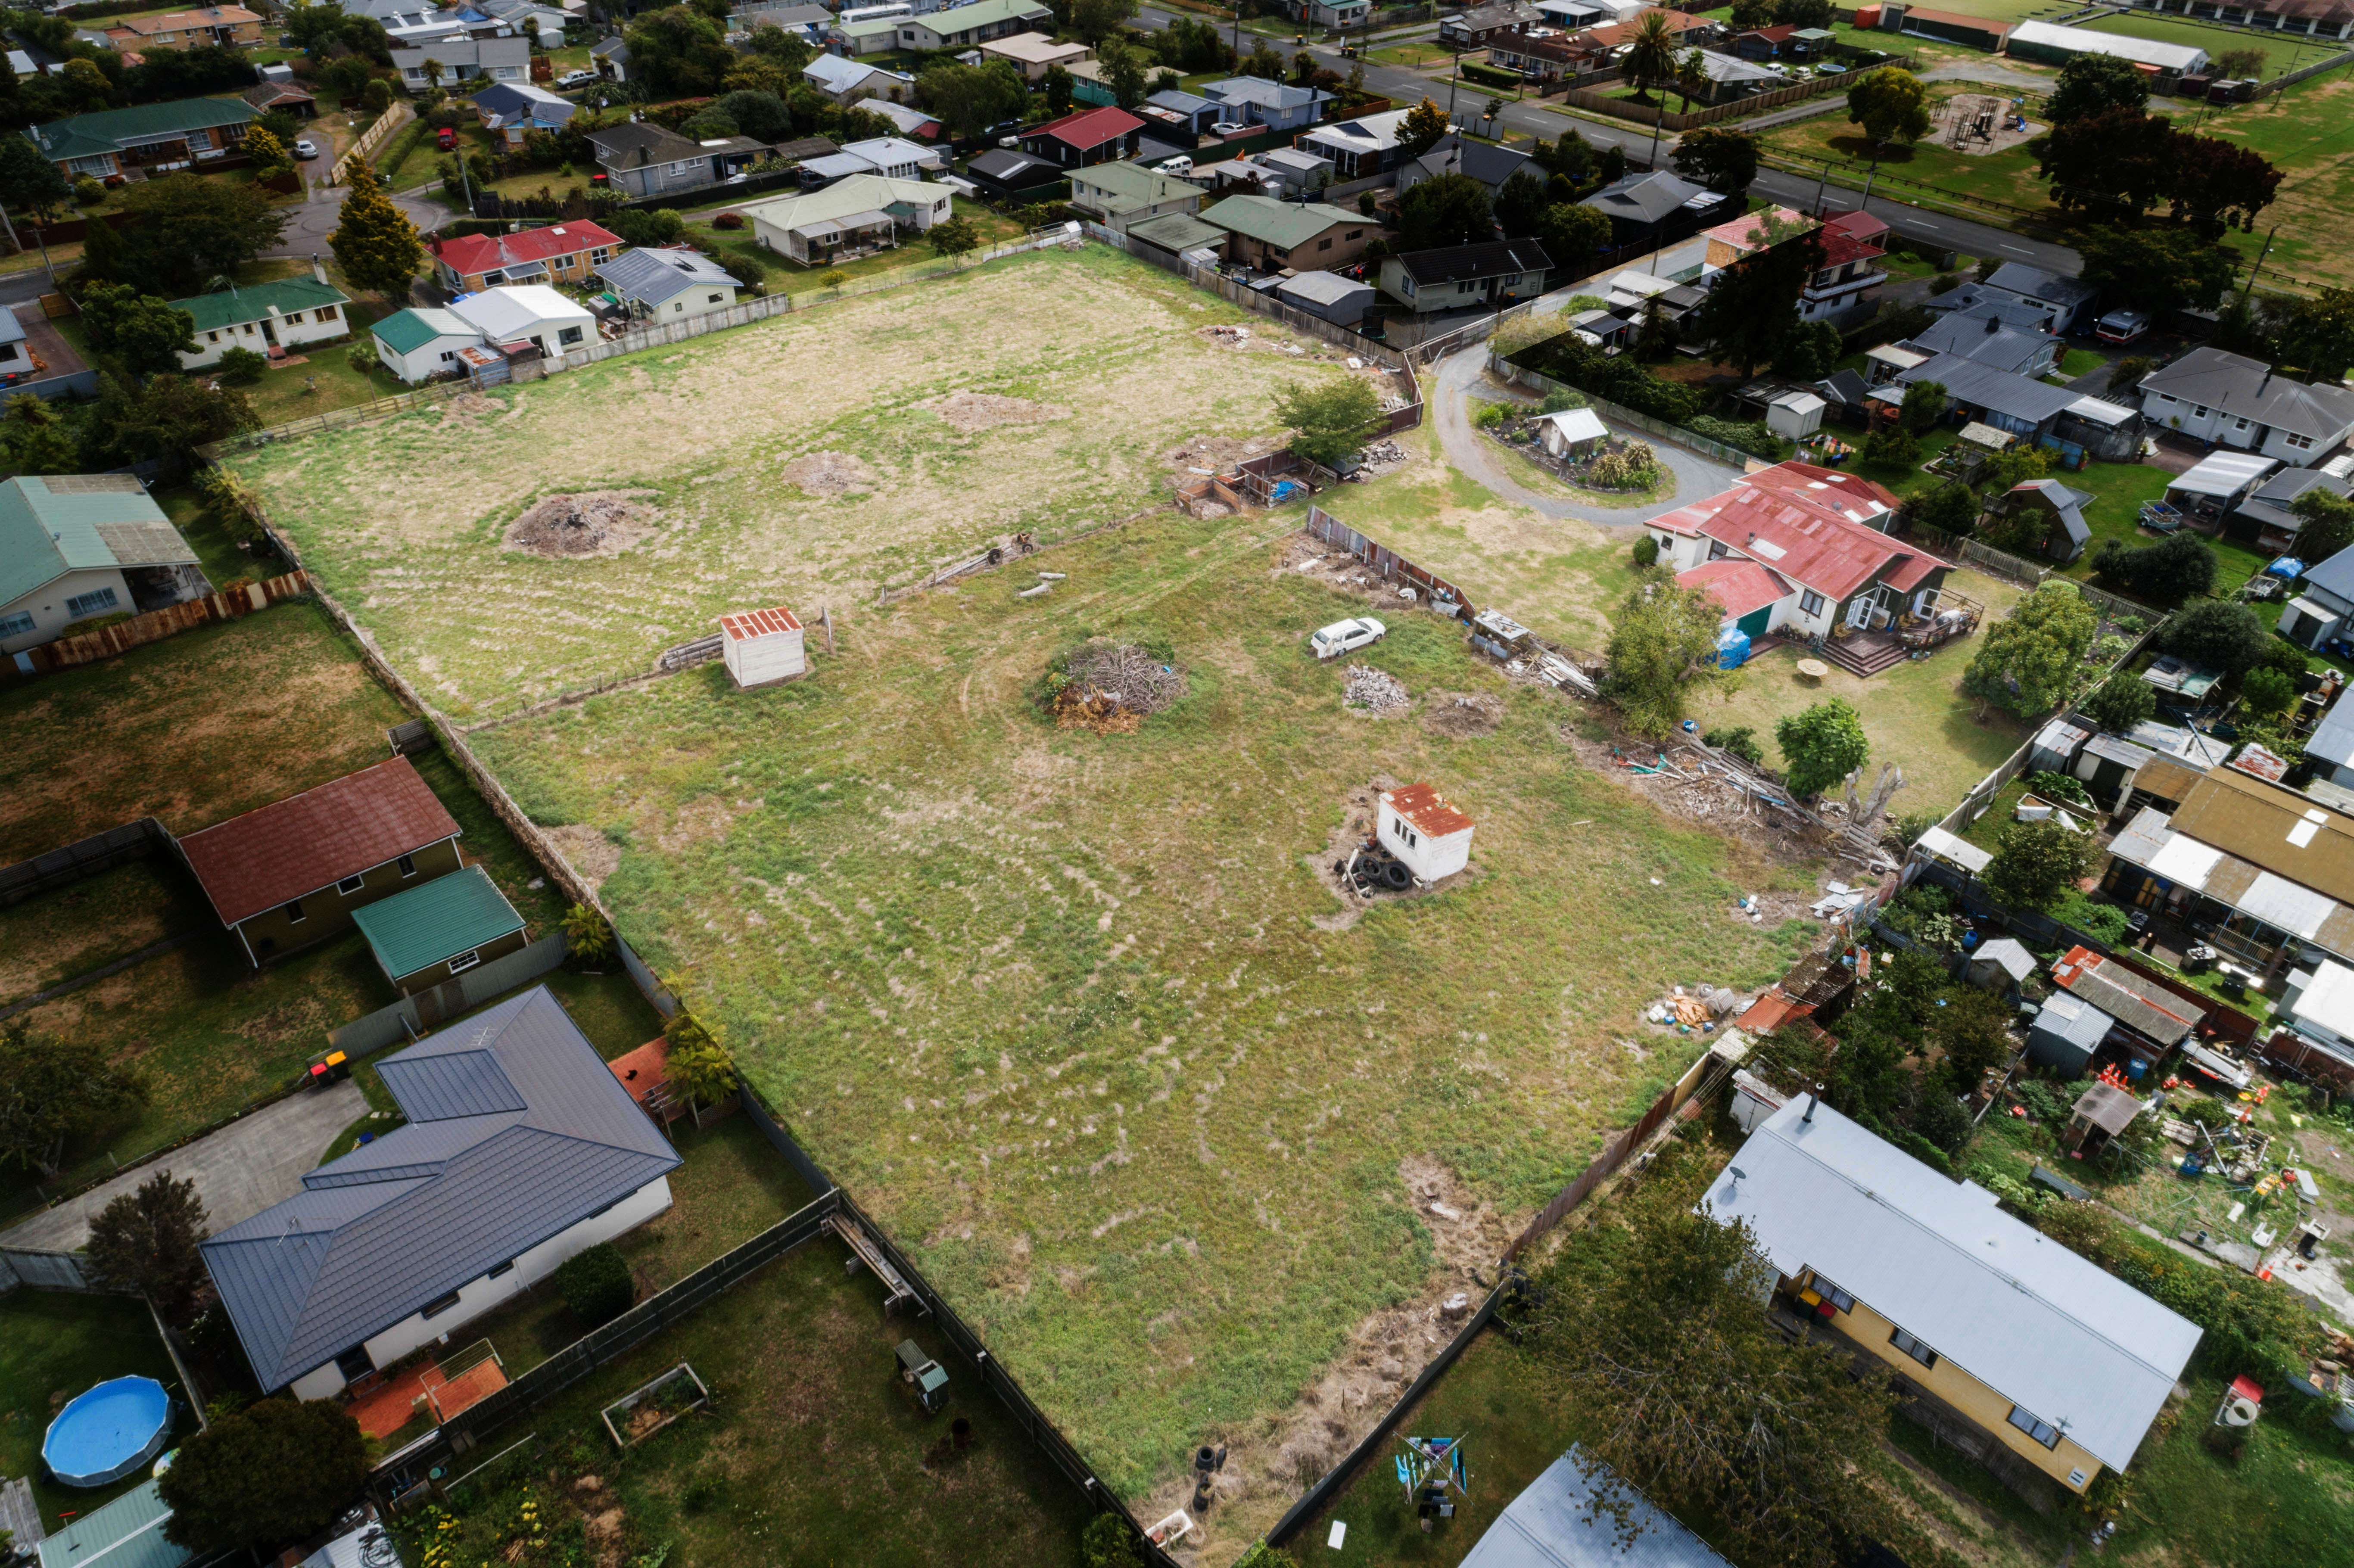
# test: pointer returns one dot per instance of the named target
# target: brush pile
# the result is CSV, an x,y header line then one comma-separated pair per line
x,y
1109,687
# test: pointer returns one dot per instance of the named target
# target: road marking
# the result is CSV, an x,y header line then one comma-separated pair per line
x,y
2015,250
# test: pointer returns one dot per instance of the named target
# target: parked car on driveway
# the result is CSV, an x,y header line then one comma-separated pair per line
x,y
306,148
573,78
1347,637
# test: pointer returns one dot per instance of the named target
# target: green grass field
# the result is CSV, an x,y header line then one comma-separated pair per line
x,y
2283,52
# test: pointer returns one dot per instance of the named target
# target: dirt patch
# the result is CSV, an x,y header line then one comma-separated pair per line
x,y
1270,1463
465,406
589,523
1463,715
828,474
970,411
592,856
1769,846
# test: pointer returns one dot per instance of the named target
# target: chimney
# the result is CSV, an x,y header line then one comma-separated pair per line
x,y
1994,325
1814,1098
318,268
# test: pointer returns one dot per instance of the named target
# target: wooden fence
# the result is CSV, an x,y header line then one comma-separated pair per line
x,y
1383,559
1614,1154
42,1271
83,857
1652,114
379,132
89,647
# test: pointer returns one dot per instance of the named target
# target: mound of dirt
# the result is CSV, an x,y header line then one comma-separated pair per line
x,y
968,411
590,522
1111,686
1463,717
828,474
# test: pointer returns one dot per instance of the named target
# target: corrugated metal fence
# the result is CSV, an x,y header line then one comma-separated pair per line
x,y
83,857
413,1015
89,647
1382,558
42,1271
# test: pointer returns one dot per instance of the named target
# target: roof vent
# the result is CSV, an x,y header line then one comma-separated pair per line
x,y
1994,325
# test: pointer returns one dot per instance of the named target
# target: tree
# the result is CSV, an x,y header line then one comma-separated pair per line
x,y
2267,693
34,438
1059,89
2315,335
954,237
1095,20
970,99
274,1471
2156,270
596,1285
2175,568
2028,659
1753,307
268,152
2239,63
761,116
588,939
1751,15
698,1061
1572,236
1892,446
145,1241
2217,184
1803,13
167,419
1662,647
1950,508
2119,702
1718,156
29,183
1691,77
1891,104
1925,404
2326,525
1451,209
783,53
2095,84
377,246
1821,746
1706,1410
54,1089
1109,1541
1331,420
678,52
184,230
2217,634
1968,1035
146,333
1809,351
1124,69
2036,865
2117,162
1650,56
1423,125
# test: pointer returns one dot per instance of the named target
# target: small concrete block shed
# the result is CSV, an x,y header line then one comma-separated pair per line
x,y
1424,830
428,934
762,645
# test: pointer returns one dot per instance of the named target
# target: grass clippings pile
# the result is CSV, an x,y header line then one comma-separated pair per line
x,y
1375,691
1112,687
590,522
971,411
828,474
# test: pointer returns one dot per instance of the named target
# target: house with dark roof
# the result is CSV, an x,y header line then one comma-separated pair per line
x,y
1658,208
520,1148
1489,276
289,874
290,95
266,318
438,930
155,136
77,546
1482,161
566,252
2264,513
1175,235
446,62
610,58
1474,29
1951,26
1982,300
1982,335
2069,301
643,159
2234,401
1102,135
2023,406
2065,532
515,108
1254,101
1004,173
669,284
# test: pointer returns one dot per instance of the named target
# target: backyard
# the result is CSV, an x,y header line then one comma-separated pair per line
x,y
53,1346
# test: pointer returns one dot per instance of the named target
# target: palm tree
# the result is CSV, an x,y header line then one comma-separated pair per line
x,y
1651,54
1691,77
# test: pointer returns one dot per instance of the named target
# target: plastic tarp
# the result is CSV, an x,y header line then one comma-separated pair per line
x,y
1732,648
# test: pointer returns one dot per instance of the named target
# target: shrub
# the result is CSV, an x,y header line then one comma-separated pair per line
x,y
1741,741
241,366
1108,1541
596,1285
1490,415
362,356
1647,551
1946,283
90,191
1755,437
1560,401
589,941
1944,1121
2179,568
1567,358
2217,634
2105,923
1636,467
2058,787
728,220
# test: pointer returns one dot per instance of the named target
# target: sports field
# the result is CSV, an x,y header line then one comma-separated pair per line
x,y
2283,52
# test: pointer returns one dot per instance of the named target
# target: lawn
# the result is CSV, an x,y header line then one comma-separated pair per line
x,y
192,729
2006,176
1059,423
811,1453
53,1346
2306,130
220,555
325,379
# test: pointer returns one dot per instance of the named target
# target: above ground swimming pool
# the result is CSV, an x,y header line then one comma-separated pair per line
x,y
107,1433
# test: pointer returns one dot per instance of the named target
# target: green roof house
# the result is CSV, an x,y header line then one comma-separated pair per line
x,y
156,137
418,344
1271,235
268,318
439,929
1117,194
849,217
76,546
965,26
126,1533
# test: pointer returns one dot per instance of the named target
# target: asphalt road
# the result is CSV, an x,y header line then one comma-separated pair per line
x,y
1969,238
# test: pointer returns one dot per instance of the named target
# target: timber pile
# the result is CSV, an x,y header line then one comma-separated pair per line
x,y
1704,781
1111,686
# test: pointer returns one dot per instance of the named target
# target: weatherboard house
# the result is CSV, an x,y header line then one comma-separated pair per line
x,y
520,1149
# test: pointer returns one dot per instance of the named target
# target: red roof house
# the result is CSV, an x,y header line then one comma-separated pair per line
x,y
566,252
1743,588
1103,135
291,873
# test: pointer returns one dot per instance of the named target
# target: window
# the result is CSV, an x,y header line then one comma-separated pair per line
x,y
325,314
598,258
407,863
351,883
465,961
506,1268
1354,234
448,355
439,1305
212,337
2298,444
2035,1427
1324,244
1912,1347
91,603
17,625
1839,1299
1716,550
2199,410
569,335
679,308
1810,603
714,299
294,912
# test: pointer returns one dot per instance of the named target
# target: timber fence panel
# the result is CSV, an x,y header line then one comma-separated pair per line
x,y
39,1270
398,1022
83,857
230,604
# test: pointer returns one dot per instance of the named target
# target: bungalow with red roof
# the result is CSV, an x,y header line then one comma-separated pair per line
x,y
564,252
289,874
1801,550
1104,135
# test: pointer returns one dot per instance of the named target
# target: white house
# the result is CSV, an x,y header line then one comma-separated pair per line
x,y
77,546
762,646
2235,401
894,157
418,344
862,213
527,313
1423,829
664,284
266,318
520,1149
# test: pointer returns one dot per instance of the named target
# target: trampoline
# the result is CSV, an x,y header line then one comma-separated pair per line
x,y
108,1432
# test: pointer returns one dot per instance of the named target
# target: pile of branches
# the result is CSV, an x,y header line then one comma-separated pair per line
x,y
1709,781
1111,687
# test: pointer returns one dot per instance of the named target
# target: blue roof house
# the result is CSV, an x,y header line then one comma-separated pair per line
x,y
520,1150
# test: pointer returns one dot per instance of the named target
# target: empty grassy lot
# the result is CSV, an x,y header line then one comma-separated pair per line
x,y
192,729
1075,1015
1099,358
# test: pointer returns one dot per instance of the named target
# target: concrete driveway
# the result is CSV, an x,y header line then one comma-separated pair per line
x,y
239,1172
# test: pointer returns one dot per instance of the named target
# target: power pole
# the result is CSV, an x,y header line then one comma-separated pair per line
x,y
15,246
2259,266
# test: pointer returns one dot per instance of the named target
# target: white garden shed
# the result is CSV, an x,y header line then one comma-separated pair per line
x,y
1573,433
762,645
1423,829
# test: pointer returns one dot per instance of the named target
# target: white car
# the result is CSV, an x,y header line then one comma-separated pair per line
x,y
1178,166
572,79
306,148
1347,637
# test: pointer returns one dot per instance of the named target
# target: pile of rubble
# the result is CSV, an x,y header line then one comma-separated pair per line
x,y
1380,458
1702,1007
1375,692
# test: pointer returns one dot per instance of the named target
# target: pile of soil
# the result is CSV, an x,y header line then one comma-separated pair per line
x,y
1463,715
1113,686
828,474
968,411
590,522
1375,692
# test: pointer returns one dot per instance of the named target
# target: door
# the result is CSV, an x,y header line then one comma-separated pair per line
x,y
1754,624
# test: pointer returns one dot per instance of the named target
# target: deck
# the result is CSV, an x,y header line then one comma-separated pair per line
x,y
1866,654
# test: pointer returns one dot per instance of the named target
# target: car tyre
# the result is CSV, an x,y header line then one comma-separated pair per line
x,y
1396,877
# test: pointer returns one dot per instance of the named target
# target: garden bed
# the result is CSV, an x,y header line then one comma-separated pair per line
x,y
648,1408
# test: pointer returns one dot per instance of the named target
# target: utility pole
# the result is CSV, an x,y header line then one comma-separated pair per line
x,y
2259,263
1450,86
1820,185
15,246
